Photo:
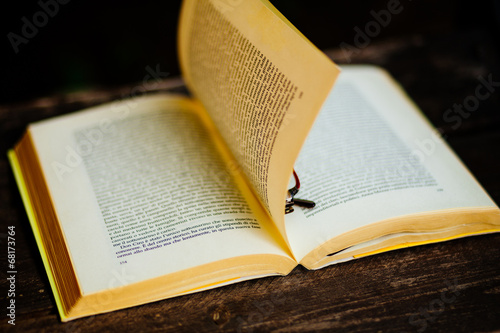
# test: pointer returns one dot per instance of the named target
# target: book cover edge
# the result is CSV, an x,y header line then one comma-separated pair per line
x,y
23,190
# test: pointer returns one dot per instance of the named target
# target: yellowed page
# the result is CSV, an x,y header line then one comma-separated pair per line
x,y
379,168
141,192
261,82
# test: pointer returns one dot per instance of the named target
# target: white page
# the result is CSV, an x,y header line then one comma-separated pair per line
x,y
132,130
369,135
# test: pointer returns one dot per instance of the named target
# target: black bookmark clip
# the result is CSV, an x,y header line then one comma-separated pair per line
x,y
291,200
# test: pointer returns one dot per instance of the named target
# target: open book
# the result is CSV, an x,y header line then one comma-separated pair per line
x,y
164,195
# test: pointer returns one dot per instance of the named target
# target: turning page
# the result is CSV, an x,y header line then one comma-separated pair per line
x,y
261,82
375,167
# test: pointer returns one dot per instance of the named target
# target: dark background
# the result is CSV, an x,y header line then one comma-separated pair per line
x,y
96,44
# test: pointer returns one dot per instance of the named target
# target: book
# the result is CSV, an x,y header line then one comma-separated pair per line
x,y
164,195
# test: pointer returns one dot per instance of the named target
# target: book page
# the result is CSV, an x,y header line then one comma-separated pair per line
x,y
372,157
141,191
261,82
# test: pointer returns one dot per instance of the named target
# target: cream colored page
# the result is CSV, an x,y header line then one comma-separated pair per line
x,y
140,191
371,156
261,82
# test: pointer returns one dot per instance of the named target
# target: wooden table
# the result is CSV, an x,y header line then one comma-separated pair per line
x,y
451,286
